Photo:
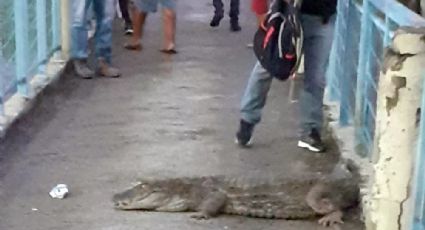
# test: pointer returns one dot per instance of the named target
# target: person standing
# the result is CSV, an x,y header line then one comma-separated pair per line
x,y
104,13
317,19
142,9
233,14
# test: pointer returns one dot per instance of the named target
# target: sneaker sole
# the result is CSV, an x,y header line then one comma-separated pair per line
x,y
304,145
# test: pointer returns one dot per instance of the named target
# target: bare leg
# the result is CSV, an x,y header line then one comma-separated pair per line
x,y
169,27
139,19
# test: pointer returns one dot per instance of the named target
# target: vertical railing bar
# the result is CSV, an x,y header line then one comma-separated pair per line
x,y
2,83
344,115
387,31
41,34
55,12
333,69
362,56
21,42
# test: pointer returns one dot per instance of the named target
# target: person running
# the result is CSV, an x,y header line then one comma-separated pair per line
x,y
317,19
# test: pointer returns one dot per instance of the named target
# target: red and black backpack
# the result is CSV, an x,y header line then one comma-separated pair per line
x,y
278,41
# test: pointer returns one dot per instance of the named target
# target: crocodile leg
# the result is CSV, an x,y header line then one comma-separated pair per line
x,y
211,206
331,219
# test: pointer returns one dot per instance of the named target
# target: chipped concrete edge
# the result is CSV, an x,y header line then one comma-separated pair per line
x,y
344,139
18,106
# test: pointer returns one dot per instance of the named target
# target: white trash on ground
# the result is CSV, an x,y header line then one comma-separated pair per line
x,y
59,191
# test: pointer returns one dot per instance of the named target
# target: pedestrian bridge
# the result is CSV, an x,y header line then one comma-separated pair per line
x,y
177,115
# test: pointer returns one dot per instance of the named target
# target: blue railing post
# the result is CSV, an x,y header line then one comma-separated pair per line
x,y
55,23
2,82
345,84
21,42
419,184
388,27
334,65
361,69
332,77
41,34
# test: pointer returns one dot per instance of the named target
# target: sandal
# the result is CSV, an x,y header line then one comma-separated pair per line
x,y
135,47
169,51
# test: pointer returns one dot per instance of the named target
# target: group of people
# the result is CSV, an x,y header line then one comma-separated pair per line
x,y
317,18
134,22
104,11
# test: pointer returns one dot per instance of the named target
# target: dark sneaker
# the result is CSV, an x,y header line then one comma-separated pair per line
x,y
244,134
234,25
81,68
216,20
312,142
128,29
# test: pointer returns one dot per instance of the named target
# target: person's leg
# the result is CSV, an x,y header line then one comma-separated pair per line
x,y
140,13
218,13
105,13
169,21
253,102
317,45
234,15
139,19
79,39
169,26
126,16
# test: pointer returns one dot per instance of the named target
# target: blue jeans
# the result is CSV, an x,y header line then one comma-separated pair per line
x,y
317,45
104,11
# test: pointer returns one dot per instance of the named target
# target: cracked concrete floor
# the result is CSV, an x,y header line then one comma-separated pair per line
x,y
166,116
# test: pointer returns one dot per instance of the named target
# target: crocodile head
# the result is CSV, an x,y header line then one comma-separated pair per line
x,y
166,195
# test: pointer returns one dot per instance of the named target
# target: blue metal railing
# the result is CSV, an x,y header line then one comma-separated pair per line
x,y
30,33
363,30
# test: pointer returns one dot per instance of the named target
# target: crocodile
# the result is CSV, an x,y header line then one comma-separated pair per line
x,y
280,198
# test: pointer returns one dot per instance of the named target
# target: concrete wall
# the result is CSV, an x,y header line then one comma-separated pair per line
x,y
399,97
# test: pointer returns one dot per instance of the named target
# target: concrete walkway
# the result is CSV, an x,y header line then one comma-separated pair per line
x,y
167,116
